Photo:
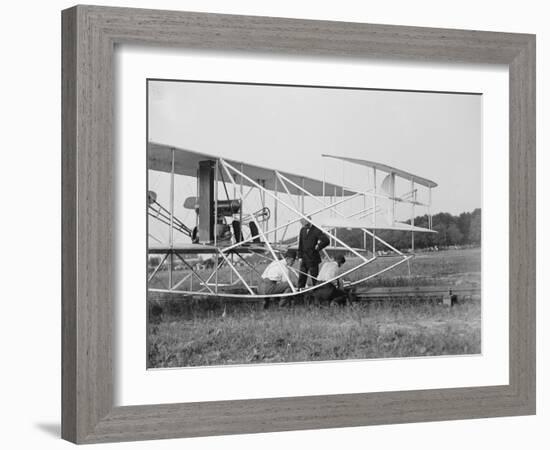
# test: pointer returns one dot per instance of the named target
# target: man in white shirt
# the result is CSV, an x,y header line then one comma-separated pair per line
x,y
331,292
275,277
329,270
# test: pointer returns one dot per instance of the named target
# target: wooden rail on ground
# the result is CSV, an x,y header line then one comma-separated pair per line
x,y
445,293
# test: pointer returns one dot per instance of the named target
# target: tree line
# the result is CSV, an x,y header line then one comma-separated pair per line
x,y
463,229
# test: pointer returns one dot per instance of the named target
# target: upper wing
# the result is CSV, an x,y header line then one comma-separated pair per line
x,y
186,162
387,169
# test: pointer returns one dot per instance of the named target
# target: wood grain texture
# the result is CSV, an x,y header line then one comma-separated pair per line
x,y
68,225
523,224
89,202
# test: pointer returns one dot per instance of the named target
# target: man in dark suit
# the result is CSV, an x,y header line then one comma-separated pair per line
x,y
311,242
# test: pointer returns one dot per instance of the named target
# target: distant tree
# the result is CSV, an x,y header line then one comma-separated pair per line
x,y
463,222
353,238
440,239
154,261
454,236
474,234
464,229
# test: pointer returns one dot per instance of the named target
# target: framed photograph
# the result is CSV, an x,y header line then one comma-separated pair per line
x,y
279,224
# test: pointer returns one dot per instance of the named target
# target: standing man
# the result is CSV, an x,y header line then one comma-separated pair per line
x,y
275,276
312,240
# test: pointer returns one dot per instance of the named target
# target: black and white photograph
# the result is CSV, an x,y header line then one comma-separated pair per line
x,y
291,223
260,225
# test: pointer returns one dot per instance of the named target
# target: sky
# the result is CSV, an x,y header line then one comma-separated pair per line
x,y
433,135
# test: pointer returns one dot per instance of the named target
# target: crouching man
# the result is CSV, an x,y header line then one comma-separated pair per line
x,y
275,276
331,292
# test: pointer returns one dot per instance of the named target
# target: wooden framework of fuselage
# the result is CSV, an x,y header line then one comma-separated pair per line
x,y
272,250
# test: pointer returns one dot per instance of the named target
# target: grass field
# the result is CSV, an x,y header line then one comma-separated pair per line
x,y
187,332
450,267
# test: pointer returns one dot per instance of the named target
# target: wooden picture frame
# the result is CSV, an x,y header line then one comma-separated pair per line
x,y
89,37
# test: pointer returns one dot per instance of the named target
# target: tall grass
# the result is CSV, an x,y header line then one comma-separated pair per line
x,y
253,335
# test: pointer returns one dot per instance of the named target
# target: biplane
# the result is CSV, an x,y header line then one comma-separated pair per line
x,y
245,216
